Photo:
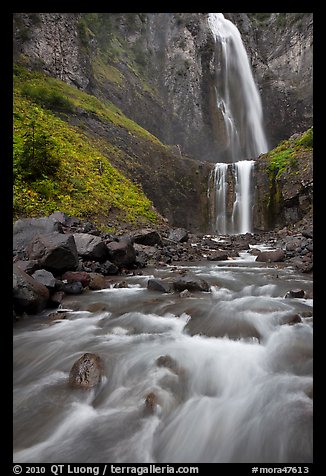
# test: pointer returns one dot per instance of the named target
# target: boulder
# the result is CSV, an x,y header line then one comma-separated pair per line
x,y
191,282
73,288
55,252
108,268
159,285
179,235
151,402
97,281
26,229
90,246
29,295
122,253
45,277
168,362
218,256
86,372
73,276
147,237
295,293
271,256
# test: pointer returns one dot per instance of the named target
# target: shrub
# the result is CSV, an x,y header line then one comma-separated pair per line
x,y
48,98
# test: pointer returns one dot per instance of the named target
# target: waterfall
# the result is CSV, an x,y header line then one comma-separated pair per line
x,y
239,105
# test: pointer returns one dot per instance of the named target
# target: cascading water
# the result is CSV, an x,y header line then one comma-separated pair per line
x,y
239,105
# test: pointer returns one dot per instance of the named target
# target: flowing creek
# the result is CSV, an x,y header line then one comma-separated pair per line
x,y
240,389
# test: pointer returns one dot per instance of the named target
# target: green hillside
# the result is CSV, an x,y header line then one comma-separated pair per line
x,y
58,167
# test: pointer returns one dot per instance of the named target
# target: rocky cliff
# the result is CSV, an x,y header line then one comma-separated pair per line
x,y
158,69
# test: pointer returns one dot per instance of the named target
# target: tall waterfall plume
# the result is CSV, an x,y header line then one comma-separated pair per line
x,y
239,105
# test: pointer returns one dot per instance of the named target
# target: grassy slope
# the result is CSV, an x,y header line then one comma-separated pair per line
x,y
79,187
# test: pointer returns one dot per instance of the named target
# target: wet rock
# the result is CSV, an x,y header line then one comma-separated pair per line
x,y
159,285
291,320
97,281
295,293
168,362
45,277
190,282
86,372
73,288
74,276
96,307
179,235
55,252
151,402
306,314
147,237
271,256
218,256
185,294
122,253
121,285
90,246
54,316
255,251
29,295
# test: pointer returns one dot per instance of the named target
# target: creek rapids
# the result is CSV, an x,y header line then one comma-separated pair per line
x,y
239,389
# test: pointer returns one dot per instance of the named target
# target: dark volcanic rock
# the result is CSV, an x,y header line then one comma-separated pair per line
x,y
90,246
159,285
73,288
86,372
122,253
147,237
55,252
29,295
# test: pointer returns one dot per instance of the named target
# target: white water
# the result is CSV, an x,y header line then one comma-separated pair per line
x,y
240,106
241,392
242,207
220,188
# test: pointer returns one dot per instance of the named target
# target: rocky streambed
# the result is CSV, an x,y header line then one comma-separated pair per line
x,y
59,255
182,348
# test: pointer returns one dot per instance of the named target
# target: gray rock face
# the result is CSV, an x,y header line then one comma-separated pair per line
x,y
29,295
54,42
55,252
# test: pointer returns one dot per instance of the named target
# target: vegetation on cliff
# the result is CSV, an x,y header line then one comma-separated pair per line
x,y
56,166
285,182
